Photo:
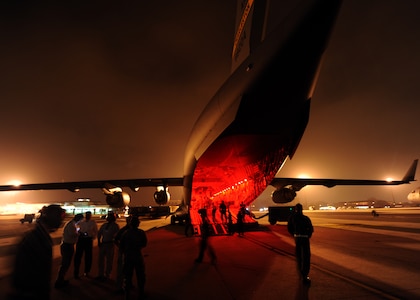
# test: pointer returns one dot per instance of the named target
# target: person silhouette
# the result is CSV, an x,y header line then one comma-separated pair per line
x,y
213,213
31,276
240,219
87,233
132,242
70,236
205,245
222,209
106,235
230,223
120,258
300,227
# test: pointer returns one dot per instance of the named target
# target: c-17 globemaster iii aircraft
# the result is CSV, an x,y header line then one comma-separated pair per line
x,y
256,119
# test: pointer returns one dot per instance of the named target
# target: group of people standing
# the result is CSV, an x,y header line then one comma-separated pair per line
x,y
32,273
35,253
78,236
226,217
128,239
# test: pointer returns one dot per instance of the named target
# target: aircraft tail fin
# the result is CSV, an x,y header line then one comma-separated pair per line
x,y
250,28
411,173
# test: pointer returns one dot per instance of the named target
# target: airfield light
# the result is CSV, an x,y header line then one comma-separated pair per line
x,y
303,175
15,182
83,199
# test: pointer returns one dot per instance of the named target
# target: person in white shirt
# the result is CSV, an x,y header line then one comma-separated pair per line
x,y
106,235
87,233
70,236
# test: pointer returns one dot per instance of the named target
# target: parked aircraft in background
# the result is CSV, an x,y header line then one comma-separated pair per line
x,y
414,196
256,119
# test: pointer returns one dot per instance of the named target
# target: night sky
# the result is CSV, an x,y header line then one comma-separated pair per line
x,y
101,90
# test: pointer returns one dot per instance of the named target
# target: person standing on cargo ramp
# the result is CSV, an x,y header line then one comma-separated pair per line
x,y
300,227
222,208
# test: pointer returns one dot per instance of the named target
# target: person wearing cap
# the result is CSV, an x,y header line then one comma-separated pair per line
x,y
87,233
106,235
31,276
300,227
70,236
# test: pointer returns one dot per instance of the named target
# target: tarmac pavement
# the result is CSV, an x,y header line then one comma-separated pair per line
x,y
257,266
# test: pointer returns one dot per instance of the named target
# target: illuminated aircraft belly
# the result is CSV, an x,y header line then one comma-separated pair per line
x,y
239,165
236,169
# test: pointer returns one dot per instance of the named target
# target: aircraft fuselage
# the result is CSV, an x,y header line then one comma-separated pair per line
x,y
257,118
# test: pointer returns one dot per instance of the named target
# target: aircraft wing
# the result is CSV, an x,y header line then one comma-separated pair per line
x,y
133,184
299,183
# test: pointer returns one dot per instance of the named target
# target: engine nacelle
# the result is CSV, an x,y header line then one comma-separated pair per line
x,y
283,195
161,197
118,199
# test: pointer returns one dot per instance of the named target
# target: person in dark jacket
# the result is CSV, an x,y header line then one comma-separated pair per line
x,y
87,234
132,242
222,208
31,277
120,259
240,219
300,227
106,235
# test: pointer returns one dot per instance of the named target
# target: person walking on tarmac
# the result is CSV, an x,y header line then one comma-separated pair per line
x,y
300,227
87,233
204,242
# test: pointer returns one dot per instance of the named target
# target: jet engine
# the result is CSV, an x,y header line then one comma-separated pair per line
x,y
115,197
284,194
118,199
162,195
